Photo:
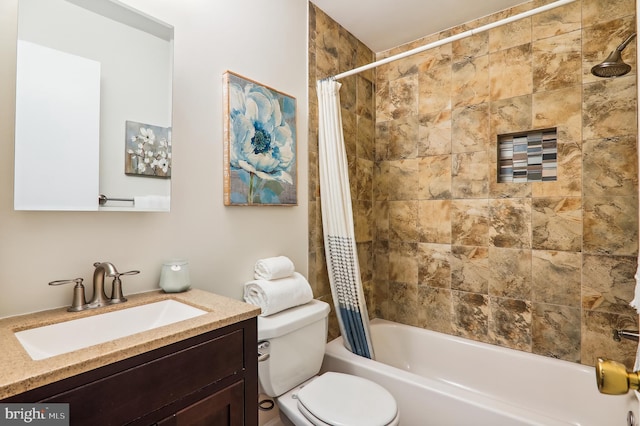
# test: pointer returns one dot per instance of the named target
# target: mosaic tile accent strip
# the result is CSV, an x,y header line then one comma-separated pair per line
x,y
528,157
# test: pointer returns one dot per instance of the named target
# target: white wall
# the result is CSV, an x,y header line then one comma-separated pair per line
x,y
264,41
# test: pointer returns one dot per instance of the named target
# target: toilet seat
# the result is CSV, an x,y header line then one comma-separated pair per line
x,y
338,399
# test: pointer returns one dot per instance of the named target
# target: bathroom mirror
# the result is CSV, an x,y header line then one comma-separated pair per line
x,y
93,107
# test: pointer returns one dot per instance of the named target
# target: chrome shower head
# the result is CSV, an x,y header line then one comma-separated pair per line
x,y
613,66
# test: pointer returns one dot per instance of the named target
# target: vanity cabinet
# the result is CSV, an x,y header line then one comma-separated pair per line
x,y
222,408
210,379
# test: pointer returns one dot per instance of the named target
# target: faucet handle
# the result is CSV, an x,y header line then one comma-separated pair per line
x,y
116,287
79,302
117,274
613,378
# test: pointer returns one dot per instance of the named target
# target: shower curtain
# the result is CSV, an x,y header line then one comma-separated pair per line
x,y
337,223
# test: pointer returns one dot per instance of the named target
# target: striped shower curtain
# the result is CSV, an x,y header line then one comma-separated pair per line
x,y
337,222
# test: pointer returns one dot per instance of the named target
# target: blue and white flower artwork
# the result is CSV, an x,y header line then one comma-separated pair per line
x,y
260,144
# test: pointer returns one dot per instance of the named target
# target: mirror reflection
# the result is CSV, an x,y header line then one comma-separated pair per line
x,y
93,107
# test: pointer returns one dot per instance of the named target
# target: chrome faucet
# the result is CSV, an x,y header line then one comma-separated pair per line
x,y
79,302
99,296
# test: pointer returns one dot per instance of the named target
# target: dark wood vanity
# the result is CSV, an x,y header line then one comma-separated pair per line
x,y
209,379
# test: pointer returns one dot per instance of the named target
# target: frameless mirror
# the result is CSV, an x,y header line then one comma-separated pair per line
x,y
93,107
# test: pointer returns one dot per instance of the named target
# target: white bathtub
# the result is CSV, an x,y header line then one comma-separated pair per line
x,y
441,380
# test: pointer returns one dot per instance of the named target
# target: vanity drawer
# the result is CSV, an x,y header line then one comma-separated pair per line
x,y
142,389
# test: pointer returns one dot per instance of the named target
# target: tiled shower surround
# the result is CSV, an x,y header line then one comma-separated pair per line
x,y
543,267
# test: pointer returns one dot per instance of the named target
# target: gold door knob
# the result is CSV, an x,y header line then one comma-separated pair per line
x,y
613,378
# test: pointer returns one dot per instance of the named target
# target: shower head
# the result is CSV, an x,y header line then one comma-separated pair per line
x,y
613,66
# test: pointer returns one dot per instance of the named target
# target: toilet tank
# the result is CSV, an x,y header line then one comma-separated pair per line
x,y
296,340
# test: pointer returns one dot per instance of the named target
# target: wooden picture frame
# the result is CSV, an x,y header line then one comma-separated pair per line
x,y
260,159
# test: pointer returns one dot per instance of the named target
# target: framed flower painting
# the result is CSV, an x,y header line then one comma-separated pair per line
x,y
259,144
147,150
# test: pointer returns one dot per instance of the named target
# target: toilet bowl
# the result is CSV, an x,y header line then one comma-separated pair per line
x,y
339,399
292,348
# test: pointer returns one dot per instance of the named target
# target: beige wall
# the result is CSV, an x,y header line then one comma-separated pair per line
x,y
268,45
540,267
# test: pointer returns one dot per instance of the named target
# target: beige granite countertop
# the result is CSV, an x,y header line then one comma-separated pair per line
x,y
19,373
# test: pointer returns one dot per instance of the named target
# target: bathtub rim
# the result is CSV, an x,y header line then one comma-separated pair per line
x,y
336,349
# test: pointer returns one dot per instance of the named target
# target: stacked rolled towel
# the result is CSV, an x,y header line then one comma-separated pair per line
x,y
273,296
273,268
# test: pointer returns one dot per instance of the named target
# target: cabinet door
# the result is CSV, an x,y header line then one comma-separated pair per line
x,y
225,407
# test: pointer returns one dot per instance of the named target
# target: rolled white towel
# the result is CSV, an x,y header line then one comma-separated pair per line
x,y
145,202
273,268
273,296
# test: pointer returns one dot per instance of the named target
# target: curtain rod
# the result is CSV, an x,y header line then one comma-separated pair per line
x,y
453,38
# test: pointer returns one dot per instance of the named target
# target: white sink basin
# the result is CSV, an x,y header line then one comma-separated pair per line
x,y
55,339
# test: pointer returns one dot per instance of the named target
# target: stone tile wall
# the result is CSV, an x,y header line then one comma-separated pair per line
x,y
333,50
543,267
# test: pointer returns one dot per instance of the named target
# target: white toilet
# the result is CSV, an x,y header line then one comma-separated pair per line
x,y
291,349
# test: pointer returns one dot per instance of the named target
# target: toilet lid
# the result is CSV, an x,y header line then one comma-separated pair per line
x,y
345,400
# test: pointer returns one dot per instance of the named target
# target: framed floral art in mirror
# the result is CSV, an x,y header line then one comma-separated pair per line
x,y
147,150
259,144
